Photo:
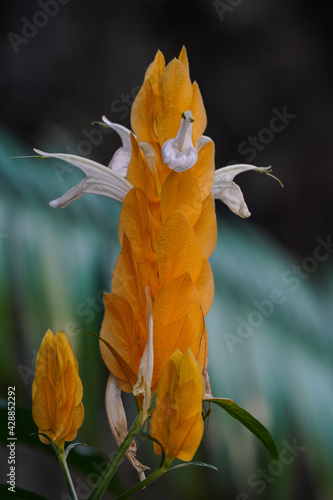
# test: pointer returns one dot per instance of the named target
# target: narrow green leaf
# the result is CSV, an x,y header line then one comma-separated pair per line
x,y
192,464
251,423
20,494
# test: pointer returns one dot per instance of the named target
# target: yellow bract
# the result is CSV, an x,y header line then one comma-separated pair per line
x,y
167,229
176,421
57,390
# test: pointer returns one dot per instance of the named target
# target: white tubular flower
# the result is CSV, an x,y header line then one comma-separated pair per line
x,y
230,193
145,375
179,153
120,160
100,180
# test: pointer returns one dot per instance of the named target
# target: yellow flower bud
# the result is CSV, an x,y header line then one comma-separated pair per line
x,y
57,390
176,420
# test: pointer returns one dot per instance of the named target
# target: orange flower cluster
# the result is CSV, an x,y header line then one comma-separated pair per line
x,y
162,285
57,390
167,229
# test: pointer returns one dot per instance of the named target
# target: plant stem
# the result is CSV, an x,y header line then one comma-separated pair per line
x,y
112,466
155,475
63,464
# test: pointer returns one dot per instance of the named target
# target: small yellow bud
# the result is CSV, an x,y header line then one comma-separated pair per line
x,y
176,420
57,390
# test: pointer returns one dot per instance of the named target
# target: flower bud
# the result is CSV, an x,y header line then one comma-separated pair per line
x,y
57,390
176,421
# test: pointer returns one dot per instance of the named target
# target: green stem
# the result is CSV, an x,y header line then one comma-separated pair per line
x,y
155,475
112,466
63,464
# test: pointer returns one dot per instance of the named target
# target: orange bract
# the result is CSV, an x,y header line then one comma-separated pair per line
x,y
57,390
167,230
176,421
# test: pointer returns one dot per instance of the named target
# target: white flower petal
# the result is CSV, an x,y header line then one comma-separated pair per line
x,y
123,132
228,192
88,185
178,160
227,174
120,161
202,142
71,195
100,180
89,167
231,194
179,153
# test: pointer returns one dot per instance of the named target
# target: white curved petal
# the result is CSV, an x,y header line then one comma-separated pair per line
x,y
120,161
123,132
89,167
71,195
100,180
227,174
183,138
179,153
178,160
89,185
202,142
231,194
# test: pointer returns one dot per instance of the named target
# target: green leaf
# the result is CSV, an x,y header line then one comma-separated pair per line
x,y
251,423
192,464
20,494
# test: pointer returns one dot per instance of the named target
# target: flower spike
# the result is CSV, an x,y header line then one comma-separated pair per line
x,y
153,338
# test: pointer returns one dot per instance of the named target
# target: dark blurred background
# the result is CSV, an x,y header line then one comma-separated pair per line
x,y
66,63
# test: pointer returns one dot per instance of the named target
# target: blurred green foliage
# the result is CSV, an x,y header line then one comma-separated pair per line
x,y
272,358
